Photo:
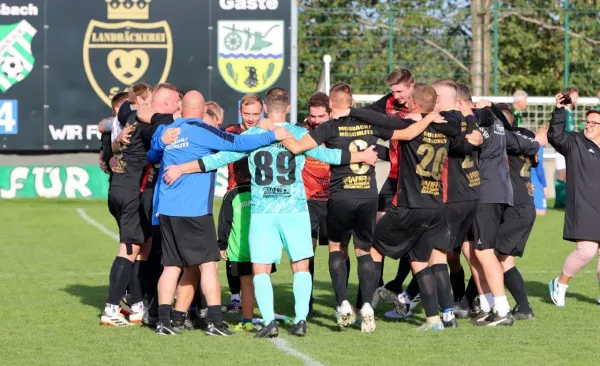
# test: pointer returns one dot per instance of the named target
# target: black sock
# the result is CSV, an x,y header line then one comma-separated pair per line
x,y
471,291
413,288
233,281
215,316
338,273
380,282
515,284
311,269
368,277
120,273
197,298
144,277
178,315
164,314
444,290
347,271
428,290
135,285
395,285
457,279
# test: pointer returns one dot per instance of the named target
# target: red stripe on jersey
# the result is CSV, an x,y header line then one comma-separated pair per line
x,y
147,171
231,183
394,109
445,181
395,200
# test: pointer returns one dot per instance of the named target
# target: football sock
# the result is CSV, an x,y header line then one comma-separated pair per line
x,y
215,316
178,315
457,279
263,292
380,282
412,289
233,281
428,291
516,286
120,273
347,271
338,273
442,280
484,303
395,285
302,288
164,314
311,269
501,305
135,284
368,278
471,291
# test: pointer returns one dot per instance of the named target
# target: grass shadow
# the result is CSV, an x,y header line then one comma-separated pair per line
x,y
94,296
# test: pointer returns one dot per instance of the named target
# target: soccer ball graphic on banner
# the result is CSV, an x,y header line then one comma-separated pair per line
x,y
12,67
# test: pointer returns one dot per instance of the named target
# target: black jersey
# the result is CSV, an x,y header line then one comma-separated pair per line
x,y
148,130
520,173
350,134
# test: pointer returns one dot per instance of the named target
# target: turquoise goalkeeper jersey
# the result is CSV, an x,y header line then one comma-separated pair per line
x,y
277,185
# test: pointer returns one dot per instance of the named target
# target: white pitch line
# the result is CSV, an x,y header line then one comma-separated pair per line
x,y
96,224
285,347
280,344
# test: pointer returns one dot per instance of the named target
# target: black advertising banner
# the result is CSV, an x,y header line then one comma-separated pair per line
x,y
61,61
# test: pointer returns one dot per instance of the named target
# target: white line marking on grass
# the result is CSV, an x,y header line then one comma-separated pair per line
x,y
280,344
96,224
285,347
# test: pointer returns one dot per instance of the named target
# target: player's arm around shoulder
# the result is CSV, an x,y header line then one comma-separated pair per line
x,y
300,141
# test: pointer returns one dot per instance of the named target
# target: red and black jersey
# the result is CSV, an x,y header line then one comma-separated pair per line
x,y
316,176
460,176
233,167
394,109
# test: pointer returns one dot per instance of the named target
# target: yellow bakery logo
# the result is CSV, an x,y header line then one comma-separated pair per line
x,y
117,55
250,53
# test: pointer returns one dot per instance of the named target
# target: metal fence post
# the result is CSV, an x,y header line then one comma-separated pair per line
x,y
390,38
496,51
567,29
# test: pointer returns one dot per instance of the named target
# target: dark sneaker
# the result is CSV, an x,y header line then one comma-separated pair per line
x,y
299,329
162,329
479,319
450,323
270,330
222,331
522,315
494,320
178,325
462,310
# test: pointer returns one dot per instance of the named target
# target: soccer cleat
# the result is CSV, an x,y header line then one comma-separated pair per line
x,y
234,307
393,315
299,329
522,315
222,331
367,315
162,329
190,320
431,326
246,327
494,320
178,325
345,314
449,320
136,313
270,330
557,292
479,319
462,310
114,320
385,295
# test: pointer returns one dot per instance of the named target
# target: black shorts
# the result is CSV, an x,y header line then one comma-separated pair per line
x,y
318,223
345,215
244,268
386,194
517,223
412,231
459,219
125,203
188,241
146,199
487,224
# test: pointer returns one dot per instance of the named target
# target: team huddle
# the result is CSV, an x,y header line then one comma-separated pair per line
x,y
459,182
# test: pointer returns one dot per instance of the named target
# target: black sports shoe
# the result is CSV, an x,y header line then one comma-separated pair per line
x,y
222,331
494,320
479,319
299,329
178,325
462,310
452,323
522,315
270,330
162,329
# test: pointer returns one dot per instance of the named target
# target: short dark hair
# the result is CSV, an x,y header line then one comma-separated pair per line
x,y
118,99
277,99
399,76
463,92
592,111
319,99
571,90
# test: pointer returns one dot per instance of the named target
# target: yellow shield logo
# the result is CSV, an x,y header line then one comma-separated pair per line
x,y
250,53
117,55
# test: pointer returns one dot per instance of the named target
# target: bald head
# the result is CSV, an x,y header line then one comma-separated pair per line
x,y
193,105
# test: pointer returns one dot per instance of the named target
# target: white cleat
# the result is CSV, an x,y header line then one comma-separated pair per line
x,y
345,314
368,319
114,320
557,292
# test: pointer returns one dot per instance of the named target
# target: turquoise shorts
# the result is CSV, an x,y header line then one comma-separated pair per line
x,y
270,233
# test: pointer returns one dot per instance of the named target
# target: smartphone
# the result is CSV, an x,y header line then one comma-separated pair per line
x,y
567,99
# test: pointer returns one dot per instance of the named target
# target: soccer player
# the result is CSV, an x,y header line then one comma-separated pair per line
x,y
582,152
215,111
185,213
353,199
496,196
517,222
280,216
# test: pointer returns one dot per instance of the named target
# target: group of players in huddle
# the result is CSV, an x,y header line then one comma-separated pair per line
x,y
459,182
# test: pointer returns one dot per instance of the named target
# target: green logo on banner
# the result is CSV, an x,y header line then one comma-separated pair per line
x,y
83,181
16,58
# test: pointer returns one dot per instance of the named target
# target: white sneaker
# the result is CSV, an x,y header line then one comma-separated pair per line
x,y
136,314
114,320
368,319
557,292
345,314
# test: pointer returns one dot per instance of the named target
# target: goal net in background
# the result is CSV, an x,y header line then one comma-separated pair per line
x,y
538,113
